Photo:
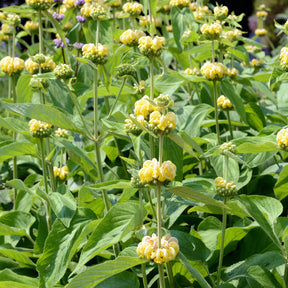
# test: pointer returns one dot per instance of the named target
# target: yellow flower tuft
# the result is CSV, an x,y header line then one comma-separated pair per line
x,y
40,129
213,71
220,12
131,37
261,32
98,55
282,139
133,8
224,103
31,26
33,67
211,31
262,14
232,34
60,172
143,107
257,63
40,4
179,3
151,47
190,71
284,58
11,65
225,189
154,174
149,248
162,124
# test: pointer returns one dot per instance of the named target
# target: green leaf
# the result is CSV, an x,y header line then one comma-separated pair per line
x,y
264,277
79,156
230,92
195,274
255,116
239,54
45,113
16,223
63,205
117,223
191,194
115,184
17,149
60,246
264,210
124,279
281,187
179,141
12,279
178,25
24,90
14,124
94,275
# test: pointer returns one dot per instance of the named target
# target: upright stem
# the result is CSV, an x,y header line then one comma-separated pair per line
x,y
230,125
170,275
15,174
213,52
97,33
45,180
224,223
40,33
145,283
151,139
118,95
97,146
216,111
14,42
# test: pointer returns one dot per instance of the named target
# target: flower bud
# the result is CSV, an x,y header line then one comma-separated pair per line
x,y
262,14
125,70
261,32
164,101
97,12
13,19
37,84
40,129
39,58
40,4
225,189
220,12
63,133
232,73
227,147
284,58
136,182
189,71
256,63
33,67
131,127
63,71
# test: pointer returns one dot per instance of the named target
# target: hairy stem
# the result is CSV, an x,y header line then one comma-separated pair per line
x,y
216,112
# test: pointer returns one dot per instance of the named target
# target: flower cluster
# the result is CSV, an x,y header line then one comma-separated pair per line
x,y
98,11
131,37
149,248
60,172
284,58
98,55
40,129
68,3
143,107
133,8
282,139
224,103
131,127
155,174
40,4
228,147
213,71
37,84
162,124
232,34
11,65
211,31
31,26
63,133
200,12
33,67
257,63
220,12
63,71
179,3
86,9
151,47
261,14
125,70
141,88
190,71
144,20
225,189
261,32
232,73
13,19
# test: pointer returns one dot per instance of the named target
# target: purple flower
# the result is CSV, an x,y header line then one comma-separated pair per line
x,y
79,2
78,45
58,16
58,42
81,19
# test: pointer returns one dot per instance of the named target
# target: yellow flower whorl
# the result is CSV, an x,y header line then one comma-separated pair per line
x,y
224,103
261,32
284,58
131,37
211,31
11,65
40,129
33,67
133,8
40,4
98,55
213,71
179,3
282,139
151,47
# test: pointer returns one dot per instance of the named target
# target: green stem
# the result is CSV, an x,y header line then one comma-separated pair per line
x,y
15,174
213,52
159,217
14,42
150,16
118,94
45,181
76,104
151,139
151,204
224,223
145,283
230,125
161,276
97,33
96,140
40,33
216,111
170,275
286,274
